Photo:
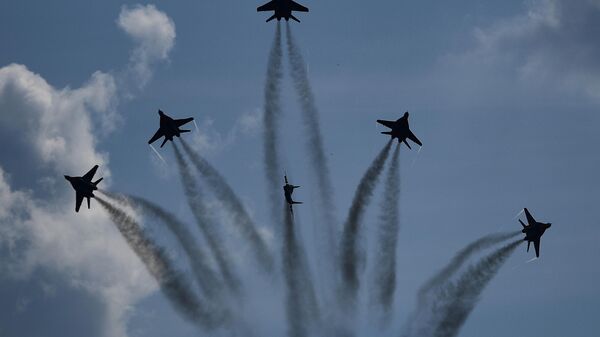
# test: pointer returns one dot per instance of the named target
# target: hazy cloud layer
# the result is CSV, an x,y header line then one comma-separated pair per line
x,y
554,41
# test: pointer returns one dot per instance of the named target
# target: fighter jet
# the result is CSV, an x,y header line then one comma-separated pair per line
x,y
169,127
283,9
533,231
84,187
400,130
288,189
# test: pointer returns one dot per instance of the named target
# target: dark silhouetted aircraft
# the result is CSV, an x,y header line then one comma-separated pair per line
x,y
169,127
400,130
533,231
283,9
84,187
288,189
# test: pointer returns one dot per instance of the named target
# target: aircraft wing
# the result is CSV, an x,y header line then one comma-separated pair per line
x,y
88,176
298,7
156,136
389,124
78,201
530,219
269,6
536,245
414,138
180,122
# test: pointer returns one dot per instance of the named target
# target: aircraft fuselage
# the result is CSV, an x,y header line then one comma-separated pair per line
x,y
287,191
86,188
535,231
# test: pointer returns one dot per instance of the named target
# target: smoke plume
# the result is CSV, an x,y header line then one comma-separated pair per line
x,y
385,263
318,160
295,307
205,223
460,298
225,194
172,283
271,118
362,198
427,292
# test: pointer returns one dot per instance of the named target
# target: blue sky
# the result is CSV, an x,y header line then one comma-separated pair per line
x,y
504,96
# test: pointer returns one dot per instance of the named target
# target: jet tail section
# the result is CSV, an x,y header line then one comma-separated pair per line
x,y
522,224
164,141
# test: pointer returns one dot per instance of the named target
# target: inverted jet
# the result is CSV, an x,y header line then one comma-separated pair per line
x,y
400,130
533,231
84,187
288,189
282,9
169,128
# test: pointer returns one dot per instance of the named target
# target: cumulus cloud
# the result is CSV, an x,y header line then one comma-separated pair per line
x,y
153,32
554,41
49,132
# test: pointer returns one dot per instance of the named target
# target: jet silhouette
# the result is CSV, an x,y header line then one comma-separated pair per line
x,y
84,187
400,130
169,127
533,231
283,9
288,189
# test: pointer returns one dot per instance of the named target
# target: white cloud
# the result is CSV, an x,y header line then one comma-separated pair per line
x,y
56,134
153,32
56,124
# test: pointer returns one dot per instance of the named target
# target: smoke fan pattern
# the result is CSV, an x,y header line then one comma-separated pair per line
x,y
442,305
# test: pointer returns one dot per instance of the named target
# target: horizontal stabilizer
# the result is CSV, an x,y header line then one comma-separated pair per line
x,y
405,142
297,202
98,181
271,18
522,224
184,131
386,133
294,18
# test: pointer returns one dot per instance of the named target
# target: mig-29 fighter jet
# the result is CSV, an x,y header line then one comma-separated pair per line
x,y
288,189
169,128
84,187
533,231
282,9
400,130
